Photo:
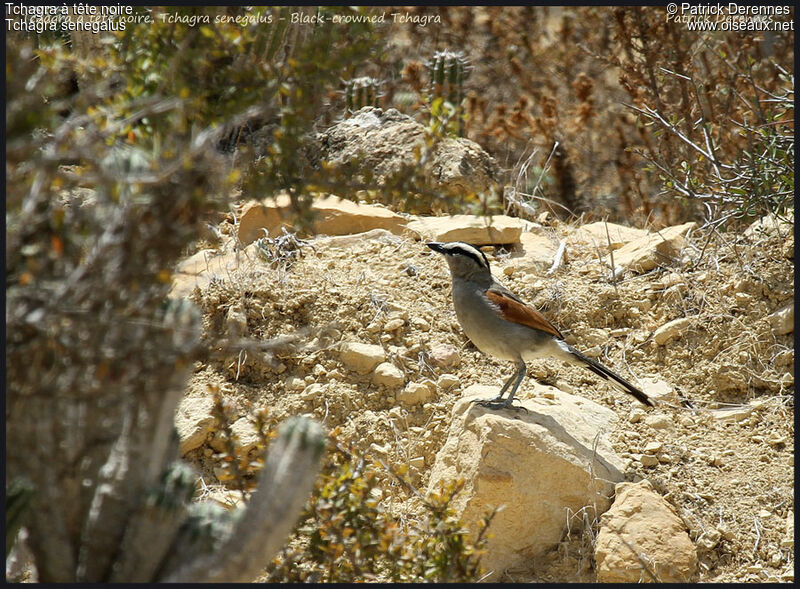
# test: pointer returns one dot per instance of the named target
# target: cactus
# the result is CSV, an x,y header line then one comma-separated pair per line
x,y
361,92
234,547
18,499
168,538
448,70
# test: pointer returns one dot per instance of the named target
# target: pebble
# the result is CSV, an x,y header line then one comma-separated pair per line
x,y
445,355
416,393
394,324
671,330
658,421
636,415
653,447
311,391
294,383
421,324
648,460
732,414
388,374
448,380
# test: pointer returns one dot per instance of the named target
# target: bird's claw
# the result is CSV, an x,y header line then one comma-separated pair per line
x,y
500,404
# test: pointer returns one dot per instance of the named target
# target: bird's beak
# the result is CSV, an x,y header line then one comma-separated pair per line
x,y
436,246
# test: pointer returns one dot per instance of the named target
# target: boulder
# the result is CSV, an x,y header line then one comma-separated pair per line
x,y
474,229
536,253
642,539
378,146
595,235
545,465
652,249
771,225
333,216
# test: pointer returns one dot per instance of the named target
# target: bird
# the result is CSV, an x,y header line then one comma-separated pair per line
x,y
500,324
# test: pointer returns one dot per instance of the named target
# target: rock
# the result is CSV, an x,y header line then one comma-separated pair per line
x,y
731,414
246,433
293,383
361,358
536,254
653,447
595,235
311,392
770,225
474,229
641,529
348,241
671,330
378,146
194,421
658,390
651,250
416,393
227,498
394,324
648,460
542,465
448,380
333,216
658,421
198,269
444,356
236,322
389,375
782,320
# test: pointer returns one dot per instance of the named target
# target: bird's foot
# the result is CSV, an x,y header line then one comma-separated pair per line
x,y
500,403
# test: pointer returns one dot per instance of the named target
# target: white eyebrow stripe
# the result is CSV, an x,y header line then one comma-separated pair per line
x,y
468,250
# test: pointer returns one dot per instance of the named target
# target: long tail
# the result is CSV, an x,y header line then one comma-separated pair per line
x,y
611,376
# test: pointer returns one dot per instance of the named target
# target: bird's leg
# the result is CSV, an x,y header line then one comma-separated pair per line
x,y
499,396
498,402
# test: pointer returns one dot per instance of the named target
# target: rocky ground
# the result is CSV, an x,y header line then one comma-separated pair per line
x,y
706,326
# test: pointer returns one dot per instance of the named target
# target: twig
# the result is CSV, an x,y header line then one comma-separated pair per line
x,y
557,259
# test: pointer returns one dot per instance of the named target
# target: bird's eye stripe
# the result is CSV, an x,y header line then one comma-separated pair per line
x,y
471,252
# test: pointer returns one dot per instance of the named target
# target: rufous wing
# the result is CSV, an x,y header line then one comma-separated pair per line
x,y
518,312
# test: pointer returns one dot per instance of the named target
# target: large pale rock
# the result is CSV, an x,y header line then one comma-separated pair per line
x,y
199,269
333,216
361,358
475,229
544,465
380,147
595,234
647,252
771,225
194,421
642,530
536,254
